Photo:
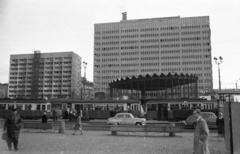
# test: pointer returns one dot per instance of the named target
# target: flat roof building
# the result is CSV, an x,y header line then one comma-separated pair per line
x,y
39,75
155,45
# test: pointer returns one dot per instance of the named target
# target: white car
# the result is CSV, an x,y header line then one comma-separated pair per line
x,y
125,119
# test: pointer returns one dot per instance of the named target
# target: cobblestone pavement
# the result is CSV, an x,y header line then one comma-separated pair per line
x,y
102,142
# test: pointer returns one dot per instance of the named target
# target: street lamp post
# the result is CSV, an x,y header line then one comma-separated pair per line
x,y
237,84
218,62
84,82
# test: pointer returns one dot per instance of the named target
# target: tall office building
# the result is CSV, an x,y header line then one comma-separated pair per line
x,y
39,75
155,45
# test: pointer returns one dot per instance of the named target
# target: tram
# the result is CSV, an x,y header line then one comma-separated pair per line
x,y
178,109
28,109
98,109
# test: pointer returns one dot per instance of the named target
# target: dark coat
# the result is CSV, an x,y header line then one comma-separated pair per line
x,y
220,124
44,119
12,125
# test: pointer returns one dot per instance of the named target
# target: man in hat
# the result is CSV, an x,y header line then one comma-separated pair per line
x,y
12,127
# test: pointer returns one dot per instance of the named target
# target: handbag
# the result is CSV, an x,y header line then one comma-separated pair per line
x,y
4,136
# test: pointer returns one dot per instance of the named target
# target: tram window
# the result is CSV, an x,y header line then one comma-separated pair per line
x,y
111,107
195,106
43,107
2,106
48,107
38,107
10,106
174,106
98,107
28,107
135,107
19,106
90,106
151,107
57,106
106,107
119,107
185,107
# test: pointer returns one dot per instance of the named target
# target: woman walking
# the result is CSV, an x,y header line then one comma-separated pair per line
x,y
78,125
220,124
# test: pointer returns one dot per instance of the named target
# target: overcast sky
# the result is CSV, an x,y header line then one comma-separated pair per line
x,y
68,25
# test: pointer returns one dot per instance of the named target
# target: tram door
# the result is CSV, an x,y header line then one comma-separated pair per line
x,y
162,112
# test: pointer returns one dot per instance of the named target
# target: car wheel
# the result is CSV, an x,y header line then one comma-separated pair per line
x,y
138,124
194,125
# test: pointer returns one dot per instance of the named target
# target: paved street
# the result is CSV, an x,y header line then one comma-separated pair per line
x,y
102,142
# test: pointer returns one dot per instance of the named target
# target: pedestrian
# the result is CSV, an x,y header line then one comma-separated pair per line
x,y
201,134
78,125
220,125
66,114
44,118
85,114
12,128
112,113
54,115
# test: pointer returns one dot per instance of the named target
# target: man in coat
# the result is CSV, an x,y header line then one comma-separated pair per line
x,y
44,118
12,127
200,135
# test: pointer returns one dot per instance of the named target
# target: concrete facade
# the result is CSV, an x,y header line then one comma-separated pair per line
x,y
59,75
155,45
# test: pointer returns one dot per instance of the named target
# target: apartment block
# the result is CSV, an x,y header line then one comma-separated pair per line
x,y
41,75
155,45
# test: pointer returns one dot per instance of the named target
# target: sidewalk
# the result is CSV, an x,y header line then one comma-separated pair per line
x,y
102,142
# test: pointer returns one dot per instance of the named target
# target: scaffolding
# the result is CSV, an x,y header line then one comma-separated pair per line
x,y
35,77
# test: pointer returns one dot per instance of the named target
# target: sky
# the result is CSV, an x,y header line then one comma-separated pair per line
x,y
68,25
